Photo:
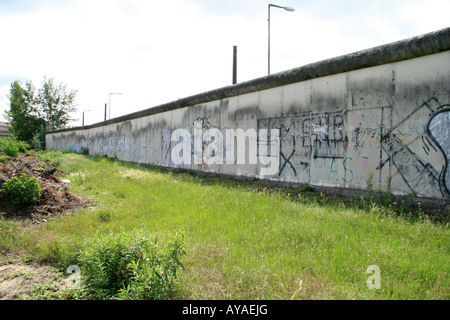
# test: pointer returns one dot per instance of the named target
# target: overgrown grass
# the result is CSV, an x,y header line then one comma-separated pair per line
x,y
245,240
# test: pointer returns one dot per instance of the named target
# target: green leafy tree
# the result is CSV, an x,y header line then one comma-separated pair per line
x,y
35,111
22,114
55,103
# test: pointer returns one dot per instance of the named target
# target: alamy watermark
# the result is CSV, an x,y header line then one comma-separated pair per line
x,y
374,281
227,146
74,280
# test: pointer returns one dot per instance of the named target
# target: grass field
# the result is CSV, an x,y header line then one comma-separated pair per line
x,y
244,240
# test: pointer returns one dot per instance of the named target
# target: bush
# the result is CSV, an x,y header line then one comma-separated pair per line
x,y
23,146
9,147
307,189
22,190
12,147
129,266
84,151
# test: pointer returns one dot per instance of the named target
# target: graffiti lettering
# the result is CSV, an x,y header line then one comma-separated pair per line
x,y
212,139
305,135
287,161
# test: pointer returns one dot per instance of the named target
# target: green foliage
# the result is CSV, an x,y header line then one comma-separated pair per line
x,y
307,189
22,190
129,266
370,192
12,147
85,151
23,146
55,103
377,195
35,111
3,159
23,114
9,147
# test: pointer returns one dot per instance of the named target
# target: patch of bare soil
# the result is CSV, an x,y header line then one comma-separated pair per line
x,y
55,200
20,280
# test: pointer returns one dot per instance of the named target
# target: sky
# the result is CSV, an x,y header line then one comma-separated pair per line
x,y
155,52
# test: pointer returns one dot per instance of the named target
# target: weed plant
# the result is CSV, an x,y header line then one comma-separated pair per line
x,y
129,266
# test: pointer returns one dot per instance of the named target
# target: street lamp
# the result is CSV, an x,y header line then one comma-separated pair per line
x,y
110,103
268,51
83,116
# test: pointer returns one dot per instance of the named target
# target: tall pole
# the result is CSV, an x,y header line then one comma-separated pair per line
x,y
268,41
105,109
234,64
83,116
268,24
110,103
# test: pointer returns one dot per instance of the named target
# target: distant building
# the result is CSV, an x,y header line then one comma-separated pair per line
x,y
4,132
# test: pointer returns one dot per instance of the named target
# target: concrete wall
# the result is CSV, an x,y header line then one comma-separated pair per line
x,y
381,114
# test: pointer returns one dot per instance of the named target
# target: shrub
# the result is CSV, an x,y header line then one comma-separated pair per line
x,y
9,147
12,147
307,189
84,151
129,266
22,190
23,146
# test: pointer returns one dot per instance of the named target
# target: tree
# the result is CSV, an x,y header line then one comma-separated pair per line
x,y
55,103
22,114
33,112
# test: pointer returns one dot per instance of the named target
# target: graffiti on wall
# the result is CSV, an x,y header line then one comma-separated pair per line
x,y
206,146
439,127
319,147
419,150
335,148
307,136
167,157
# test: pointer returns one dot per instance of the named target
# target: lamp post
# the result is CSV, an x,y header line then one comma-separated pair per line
x,y
268,51
83,116
110,102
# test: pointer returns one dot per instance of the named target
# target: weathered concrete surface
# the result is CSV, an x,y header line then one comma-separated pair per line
x,y
379,116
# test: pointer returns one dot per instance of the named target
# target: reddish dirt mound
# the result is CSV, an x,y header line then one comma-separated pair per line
x,y
56,198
